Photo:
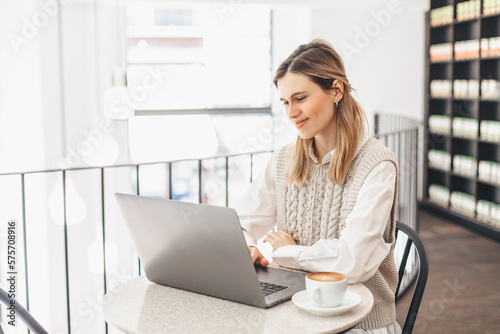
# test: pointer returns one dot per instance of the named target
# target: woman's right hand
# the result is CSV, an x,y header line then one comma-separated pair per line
x,y
257,257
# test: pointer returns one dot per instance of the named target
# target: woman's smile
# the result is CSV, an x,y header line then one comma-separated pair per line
x,y
300,123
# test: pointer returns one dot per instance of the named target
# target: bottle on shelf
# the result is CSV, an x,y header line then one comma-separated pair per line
x,y
483,209
494,217
488,212
439,124
468,10
491,7
465,127
490,47
442,15
441,52
490,131
439,194
467,49
439,159
463,203
490,89
489,171
441,88
465,89
464,165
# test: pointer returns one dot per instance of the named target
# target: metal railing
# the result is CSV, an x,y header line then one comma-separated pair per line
x,y
401,135
112,250
133,176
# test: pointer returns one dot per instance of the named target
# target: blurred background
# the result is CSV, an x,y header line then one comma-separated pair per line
x,y
74,73
91,83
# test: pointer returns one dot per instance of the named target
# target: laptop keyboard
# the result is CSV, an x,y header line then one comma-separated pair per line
x,y
269,288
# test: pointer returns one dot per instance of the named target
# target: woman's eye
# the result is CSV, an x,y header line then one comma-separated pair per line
x,y
300,98
285,103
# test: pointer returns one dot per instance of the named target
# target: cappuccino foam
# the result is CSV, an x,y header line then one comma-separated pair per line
x,y
327,277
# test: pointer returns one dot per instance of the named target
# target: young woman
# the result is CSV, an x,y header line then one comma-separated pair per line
x,y
332,193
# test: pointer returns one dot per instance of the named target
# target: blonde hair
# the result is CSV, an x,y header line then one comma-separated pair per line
x,y
322,64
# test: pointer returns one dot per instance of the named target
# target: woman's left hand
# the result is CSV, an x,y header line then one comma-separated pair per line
x,y
279,239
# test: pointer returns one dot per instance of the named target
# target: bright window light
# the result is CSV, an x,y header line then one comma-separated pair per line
x,y
195,57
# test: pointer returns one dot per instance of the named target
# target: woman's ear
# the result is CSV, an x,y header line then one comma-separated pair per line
x,y
338,89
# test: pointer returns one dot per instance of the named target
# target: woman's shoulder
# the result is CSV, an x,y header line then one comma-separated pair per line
x,y
280,159
373,146
373,153
373,157
283,151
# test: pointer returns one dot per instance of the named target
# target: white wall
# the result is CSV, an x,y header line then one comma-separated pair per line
x,y
382,44
383,50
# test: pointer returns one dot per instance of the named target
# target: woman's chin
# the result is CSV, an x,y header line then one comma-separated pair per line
x,y
305,135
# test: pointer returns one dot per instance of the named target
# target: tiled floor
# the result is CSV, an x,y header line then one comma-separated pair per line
x,y
463,289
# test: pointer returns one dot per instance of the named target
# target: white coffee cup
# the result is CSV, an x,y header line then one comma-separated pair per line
x,y
326,289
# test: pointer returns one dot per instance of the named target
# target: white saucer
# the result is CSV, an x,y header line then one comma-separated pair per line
x,y
350,301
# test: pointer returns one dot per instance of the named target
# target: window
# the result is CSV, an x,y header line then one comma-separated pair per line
x,y
194,57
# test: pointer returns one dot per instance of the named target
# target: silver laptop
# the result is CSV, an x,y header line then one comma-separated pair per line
x,y
201,248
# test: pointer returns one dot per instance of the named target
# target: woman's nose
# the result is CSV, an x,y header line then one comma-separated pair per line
x,y
293,112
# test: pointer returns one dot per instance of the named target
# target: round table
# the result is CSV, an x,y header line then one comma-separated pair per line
x,y
141,306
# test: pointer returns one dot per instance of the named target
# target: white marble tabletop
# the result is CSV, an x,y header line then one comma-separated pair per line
x,y
140,306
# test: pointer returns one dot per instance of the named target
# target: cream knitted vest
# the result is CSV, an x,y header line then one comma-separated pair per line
x,y
319,209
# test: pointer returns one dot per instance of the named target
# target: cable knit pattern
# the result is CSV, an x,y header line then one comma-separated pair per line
x,y
305,201
292,210
333,228
319,210
282,192
327,209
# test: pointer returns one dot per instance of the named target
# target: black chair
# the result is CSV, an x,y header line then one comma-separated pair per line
x,y
423,271
22,314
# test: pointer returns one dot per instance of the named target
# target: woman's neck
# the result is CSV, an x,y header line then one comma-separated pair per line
x,y
322,148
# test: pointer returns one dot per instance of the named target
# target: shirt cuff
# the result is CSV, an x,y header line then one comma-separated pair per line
x,y
287,256
249,239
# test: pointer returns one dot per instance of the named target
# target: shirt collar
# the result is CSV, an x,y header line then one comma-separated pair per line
x,y
327,158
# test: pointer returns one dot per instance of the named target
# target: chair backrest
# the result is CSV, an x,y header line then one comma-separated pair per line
x,y
21,313
423,271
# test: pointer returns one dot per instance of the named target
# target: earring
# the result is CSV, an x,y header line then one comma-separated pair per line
x,y
336,104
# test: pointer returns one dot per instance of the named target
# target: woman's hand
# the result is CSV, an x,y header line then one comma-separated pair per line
x,y
279,239
257,257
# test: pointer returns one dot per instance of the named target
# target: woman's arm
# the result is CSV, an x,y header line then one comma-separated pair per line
x,y
256,208
363,244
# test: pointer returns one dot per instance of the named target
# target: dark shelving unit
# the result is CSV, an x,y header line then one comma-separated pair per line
x,y
483,26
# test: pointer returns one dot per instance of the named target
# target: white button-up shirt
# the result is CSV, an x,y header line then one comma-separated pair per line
x,y
363,243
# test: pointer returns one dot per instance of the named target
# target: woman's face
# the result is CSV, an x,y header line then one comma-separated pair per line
x,y
310,109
